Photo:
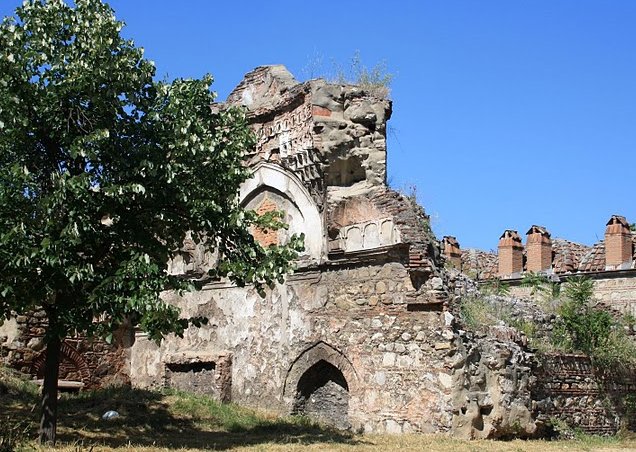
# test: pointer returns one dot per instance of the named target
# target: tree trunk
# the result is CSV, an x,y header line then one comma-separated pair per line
x,y
48,422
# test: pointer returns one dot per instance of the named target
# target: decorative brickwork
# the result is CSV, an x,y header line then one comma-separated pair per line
x,y
90,361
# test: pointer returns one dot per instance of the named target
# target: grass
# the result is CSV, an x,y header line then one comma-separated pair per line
x,y
172,420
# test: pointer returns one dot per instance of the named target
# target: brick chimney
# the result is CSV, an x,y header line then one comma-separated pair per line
x,y
452,252
538,249
510,253
618,244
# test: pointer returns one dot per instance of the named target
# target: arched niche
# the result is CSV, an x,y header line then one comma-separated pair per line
x,y
318,385
322,393
73,366
272,187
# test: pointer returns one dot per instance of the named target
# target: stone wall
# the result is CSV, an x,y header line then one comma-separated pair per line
x,y
616,290
393,362
569,388
90,361
619,293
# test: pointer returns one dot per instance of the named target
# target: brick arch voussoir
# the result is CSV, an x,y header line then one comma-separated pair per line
x,y
69,352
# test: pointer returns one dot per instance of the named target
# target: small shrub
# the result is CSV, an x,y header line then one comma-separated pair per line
x,y
618,351
527,327
478,313
541,285
495,286
583,327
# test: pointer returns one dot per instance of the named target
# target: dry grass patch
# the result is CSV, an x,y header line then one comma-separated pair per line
x,y
170,420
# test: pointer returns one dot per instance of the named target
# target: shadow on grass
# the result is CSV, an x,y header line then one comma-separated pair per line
x,y
165,419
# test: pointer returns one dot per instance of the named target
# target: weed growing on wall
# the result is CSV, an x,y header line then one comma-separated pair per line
x,y
479,313
376,79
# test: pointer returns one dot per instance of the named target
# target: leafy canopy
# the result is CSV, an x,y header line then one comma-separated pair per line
x,y
103,170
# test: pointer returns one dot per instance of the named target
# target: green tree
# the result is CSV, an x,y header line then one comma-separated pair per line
x,y
102,171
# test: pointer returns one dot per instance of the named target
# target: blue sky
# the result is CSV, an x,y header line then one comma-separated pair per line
x,y
506,113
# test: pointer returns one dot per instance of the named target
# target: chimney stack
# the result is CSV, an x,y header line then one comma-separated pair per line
x,y
510,253
452,251
618,244
538,249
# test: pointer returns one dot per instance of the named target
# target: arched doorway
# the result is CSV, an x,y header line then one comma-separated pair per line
x,y
318,385
322,393
73,366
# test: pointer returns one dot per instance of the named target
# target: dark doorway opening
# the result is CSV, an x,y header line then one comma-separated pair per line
x,y
323,394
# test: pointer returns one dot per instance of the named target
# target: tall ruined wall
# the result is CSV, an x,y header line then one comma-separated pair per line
x,y
359,336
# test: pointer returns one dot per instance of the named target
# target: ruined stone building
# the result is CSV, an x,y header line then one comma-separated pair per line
x,y
358,336
364,334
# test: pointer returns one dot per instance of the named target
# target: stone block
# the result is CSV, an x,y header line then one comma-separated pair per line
x,y
388,360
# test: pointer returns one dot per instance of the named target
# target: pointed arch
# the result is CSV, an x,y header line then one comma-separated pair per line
x,y
321,351
318,385
268,177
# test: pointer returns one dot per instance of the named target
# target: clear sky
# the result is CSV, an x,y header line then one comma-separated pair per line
x,y
505,113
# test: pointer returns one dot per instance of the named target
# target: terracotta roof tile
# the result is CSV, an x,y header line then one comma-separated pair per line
x,y
567,255
594,260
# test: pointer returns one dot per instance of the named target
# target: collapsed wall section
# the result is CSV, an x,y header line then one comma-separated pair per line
x,y
330,135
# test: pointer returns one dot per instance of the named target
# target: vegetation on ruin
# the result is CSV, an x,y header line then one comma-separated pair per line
x,y
376,79
580,325
478,313
495,286
169,420
102,172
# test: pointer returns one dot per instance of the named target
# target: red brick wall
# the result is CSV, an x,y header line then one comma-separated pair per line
x,y
266,237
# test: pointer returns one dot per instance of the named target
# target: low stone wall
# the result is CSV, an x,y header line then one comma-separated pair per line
x,y
93,362
615,290
569,388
